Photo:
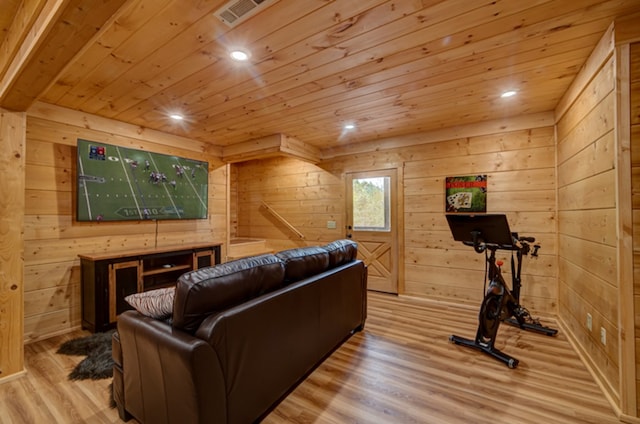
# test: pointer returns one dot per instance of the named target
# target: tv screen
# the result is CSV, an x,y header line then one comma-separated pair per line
x,y
118,184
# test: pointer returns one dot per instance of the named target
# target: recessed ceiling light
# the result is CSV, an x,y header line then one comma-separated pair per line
x,y
176,117
509,93
239,55
349,126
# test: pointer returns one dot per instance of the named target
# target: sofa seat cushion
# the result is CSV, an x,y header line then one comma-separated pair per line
x,y
341,252
209,290
303,262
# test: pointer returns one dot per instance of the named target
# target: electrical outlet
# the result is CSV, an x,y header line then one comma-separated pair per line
x,y
603,336
589,322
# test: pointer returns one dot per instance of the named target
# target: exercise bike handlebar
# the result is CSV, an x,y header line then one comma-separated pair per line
x,y
524,242
519,243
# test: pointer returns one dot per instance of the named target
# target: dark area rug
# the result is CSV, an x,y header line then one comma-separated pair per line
x,y
98,363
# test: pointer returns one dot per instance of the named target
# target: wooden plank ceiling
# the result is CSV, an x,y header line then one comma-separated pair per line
x,y
9,8
391,67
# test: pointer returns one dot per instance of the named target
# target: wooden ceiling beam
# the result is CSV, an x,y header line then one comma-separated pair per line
x,y
496,126
270,146
20,45
60,31
23,16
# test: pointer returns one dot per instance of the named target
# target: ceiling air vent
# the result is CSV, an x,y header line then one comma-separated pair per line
x,y
237,11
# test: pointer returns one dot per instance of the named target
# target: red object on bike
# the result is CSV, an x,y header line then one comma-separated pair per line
x,y
499,263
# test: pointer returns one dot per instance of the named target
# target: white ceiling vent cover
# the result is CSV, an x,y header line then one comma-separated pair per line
x,y
237,11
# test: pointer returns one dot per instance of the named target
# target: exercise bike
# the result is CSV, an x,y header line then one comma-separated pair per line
x,y
486,234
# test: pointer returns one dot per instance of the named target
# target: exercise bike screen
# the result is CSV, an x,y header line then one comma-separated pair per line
x,y
494,229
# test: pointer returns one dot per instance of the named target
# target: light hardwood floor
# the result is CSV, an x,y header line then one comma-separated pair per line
x,y
400,369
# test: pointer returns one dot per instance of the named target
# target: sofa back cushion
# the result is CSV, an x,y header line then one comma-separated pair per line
x,y
341,252
303,262
208,290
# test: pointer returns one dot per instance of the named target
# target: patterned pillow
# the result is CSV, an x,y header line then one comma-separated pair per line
x,y
156,304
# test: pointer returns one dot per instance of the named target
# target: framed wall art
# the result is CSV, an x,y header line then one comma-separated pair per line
x,y
466,194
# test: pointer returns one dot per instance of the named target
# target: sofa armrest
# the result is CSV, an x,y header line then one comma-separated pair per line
x,y
168,376
117,386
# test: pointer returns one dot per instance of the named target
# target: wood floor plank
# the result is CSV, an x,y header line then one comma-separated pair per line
x,y
401,369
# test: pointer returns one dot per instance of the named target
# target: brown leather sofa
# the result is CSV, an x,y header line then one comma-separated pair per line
x,y
242,335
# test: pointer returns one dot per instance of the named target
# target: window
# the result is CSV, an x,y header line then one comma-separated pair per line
x,y
371,204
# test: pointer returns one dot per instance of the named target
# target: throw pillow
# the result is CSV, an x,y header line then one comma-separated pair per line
x,y
156,304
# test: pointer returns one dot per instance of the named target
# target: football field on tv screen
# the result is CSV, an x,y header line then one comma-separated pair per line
x,y
117,183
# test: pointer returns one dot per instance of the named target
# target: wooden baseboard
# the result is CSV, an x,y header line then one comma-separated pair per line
x,y
53,334
13,377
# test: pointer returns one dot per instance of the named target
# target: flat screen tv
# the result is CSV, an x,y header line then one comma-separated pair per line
x,y
122,184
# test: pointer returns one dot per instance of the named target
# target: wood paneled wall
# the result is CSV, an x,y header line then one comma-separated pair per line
x,y
635,163
233,201
520,164
304,194
587,215
12,163
52,237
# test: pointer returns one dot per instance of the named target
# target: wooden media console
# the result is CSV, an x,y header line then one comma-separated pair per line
x,y
107,278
